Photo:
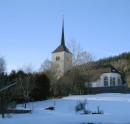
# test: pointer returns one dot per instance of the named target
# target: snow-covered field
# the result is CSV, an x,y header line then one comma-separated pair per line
x,y
116,108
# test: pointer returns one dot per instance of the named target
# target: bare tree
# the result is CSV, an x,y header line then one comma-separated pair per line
x,y
51,70
5,96
26,85
53,76
45,66
75,49
2,65
28,68
79,55
82,61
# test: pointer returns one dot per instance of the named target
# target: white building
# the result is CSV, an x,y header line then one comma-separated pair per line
x,y
108,79
107,76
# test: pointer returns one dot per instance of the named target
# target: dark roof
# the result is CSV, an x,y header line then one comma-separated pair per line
x,y
62,46
108,66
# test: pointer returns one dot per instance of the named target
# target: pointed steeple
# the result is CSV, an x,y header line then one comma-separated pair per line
x,y
62,46
62,36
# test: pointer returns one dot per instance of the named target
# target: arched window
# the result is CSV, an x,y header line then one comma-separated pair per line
x,y
113,81
105,81
119,82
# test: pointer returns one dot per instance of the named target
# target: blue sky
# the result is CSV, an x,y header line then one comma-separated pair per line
x,y
31,29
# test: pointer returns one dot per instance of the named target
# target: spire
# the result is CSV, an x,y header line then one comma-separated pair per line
x,y
62,46
62,36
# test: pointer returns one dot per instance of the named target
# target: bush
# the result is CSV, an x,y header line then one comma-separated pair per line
x,y
41,90
80,107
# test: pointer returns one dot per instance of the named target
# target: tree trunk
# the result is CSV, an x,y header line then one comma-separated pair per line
x,y
3,115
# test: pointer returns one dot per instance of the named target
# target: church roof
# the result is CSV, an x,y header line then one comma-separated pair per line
x,y
98,70
62,46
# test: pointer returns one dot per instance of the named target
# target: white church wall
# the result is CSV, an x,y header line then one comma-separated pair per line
x,y
58,59
100,81
63,60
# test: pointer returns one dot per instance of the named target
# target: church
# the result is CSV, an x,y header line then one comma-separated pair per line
x,y
61,57
105,76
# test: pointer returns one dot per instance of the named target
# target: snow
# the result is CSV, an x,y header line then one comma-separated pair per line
x,y
116,108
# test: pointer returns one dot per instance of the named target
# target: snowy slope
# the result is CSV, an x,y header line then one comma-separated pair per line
x,y
116,108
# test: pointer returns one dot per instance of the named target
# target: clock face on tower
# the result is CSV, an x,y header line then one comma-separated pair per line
x,y
57,58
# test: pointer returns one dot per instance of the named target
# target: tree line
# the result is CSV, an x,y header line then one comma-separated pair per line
x,y
78,79
29,86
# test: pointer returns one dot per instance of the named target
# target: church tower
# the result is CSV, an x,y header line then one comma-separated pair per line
x,y
62,57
